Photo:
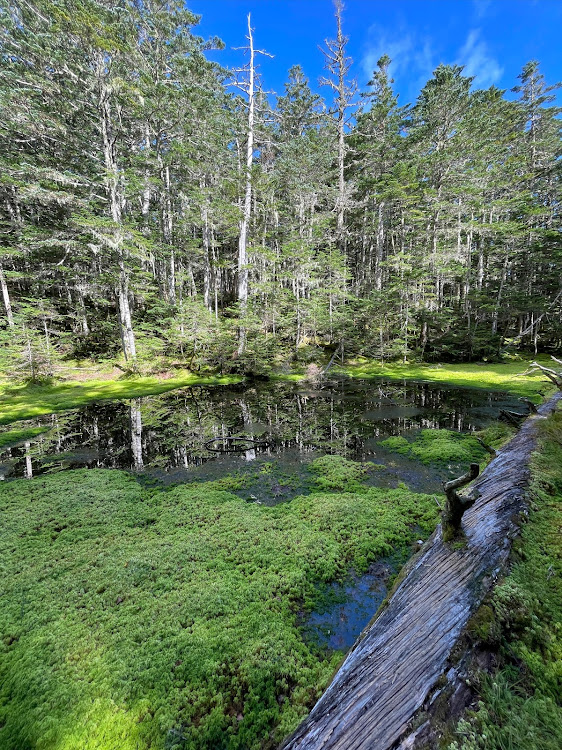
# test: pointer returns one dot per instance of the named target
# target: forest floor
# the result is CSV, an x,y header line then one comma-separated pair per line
x,y
141,616
503,376
28,400
83,382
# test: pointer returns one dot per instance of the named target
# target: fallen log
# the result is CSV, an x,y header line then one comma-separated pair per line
x,y
399,657
530,404
487,448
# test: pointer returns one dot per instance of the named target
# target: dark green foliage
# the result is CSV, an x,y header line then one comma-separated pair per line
x,y
135,617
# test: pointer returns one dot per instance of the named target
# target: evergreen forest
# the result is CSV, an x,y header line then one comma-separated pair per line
x,y
157,208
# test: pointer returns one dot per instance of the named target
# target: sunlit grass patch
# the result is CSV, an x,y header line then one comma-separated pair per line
x,y
507,376
27,401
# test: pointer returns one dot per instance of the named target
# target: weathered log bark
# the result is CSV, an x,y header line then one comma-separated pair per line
x,y
456,504
400,656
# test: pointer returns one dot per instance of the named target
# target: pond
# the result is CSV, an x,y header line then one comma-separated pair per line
x,y
185,436
180,436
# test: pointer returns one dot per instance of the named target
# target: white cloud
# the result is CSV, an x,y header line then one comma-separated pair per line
x,y
412,55
478,62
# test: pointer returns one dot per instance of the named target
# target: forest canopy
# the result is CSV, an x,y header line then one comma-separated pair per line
x,y
152,211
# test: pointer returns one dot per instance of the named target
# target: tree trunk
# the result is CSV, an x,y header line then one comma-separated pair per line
x,y
115,206
247,208
6,298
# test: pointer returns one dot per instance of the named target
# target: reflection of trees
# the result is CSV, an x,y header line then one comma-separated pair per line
x,y
170,431
136,433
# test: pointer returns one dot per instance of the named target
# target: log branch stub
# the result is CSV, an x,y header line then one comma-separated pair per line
x,y
456,504
487,448
530,404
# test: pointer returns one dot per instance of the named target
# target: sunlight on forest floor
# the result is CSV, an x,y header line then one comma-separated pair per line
x,y
506,376
27,401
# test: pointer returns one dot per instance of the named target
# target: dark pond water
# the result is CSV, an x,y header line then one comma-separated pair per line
x,y
180,436
349,606
175,437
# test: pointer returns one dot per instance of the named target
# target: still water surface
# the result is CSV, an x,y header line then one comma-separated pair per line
x,y
168,436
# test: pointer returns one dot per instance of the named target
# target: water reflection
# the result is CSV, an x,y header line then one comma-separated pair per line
x,y
167,433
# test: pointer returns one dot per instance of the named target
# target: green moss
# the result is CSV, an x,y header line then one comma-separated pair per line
x,y
506,376
13,437
25,402
337,473
484,626
521,705
438,446
496,434
133,617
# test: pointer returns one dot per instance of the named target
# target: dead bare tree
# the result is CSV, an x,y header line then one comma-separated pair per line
x,y
555,376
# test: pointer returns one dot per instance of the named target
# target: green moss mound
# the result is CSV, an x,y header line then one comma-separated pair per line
x,y
337,473
438,446
136,618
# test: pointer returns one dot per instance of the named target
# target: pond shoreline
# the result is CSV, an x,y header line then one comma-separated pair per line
x,y
20,402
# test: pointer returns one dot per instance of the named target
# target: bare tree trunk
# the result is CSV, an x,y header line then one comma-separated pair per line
x,y
167,223
207,271
380,242
6,298
247,208
136,433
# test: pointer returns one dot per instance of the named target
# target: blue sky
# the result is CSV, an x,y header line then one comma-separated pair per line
x,y
492,38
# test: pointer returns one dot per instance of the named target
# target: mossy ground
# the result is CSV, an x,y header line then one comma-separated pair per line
x,y
521,703
82,387
138,617
28,401
9,438
437,446
504,376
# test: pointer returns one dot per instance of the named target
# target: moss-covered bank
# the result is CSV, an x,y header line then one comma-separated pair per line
x,y
504,376
521,702
137,617
28,401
